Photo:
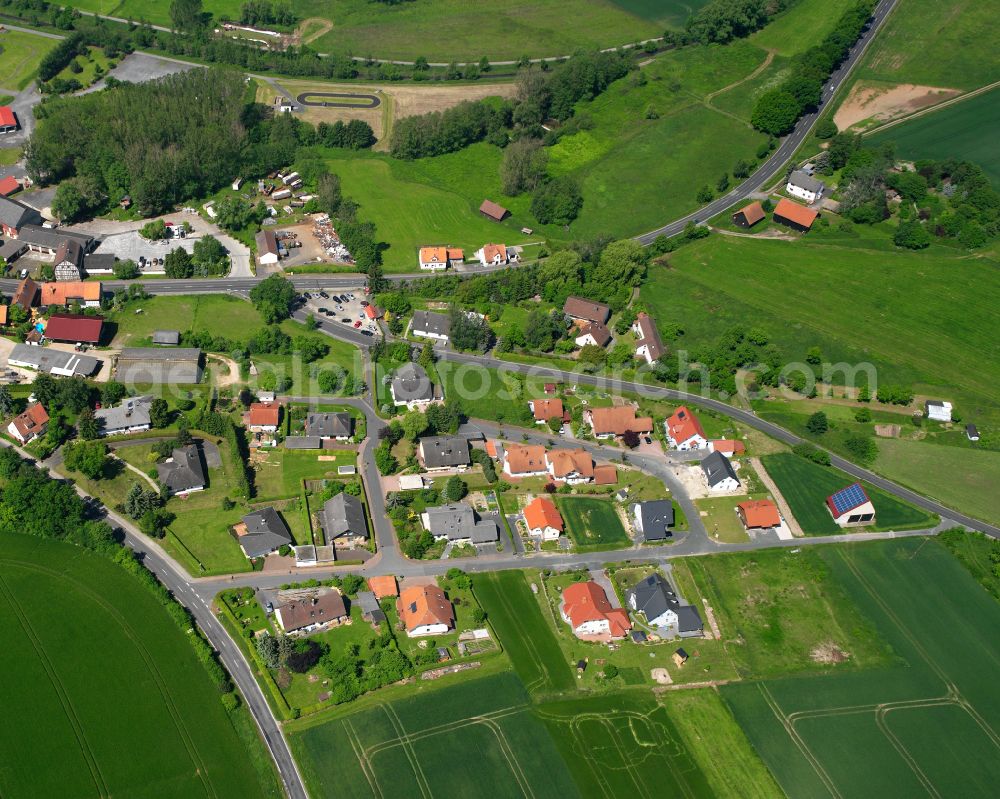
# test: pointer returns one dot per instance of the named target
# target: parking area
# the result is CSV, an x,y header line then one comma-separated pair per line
x,y
132,246
347,309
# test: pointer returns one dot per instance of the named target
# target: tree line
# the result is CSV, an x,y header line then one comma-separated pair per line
x,y
776,111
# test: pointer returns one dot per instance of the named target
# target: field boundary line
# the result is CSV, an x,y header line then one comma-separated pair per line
x,y
450,726
154,671
903,753
510,757
411,755
61,694
363,761
629,765
813,761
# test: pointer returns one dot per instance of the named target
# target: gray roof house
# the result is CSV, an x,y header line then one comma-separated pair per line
x,y
167,338
131,416
458,523
262,532
411,386
656,599
329,425
303,442
48,240
719,472
431,325
370,610
805,186
69,261
654,519
158,365
14,215
444,452
183,471
344,515
56,362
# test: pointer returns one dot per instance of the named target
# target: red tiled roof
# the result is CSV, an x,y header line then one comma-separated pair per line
x,y
7,117
583,602
598,331
541,513
32,421
423,605
796,213
566,461
684,425
753,213
9,185
25,293
605,475
759,513
729,445
74,327
618,420
491,251
525,459
383,586
264,414
545,409
64,292
493,210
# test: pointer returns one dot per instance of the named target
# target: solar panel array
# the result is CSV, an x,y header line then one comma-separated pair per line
x,y
848,498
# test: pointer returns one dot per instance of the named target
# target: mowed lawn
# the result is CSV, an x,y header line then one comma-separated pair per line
x,y
921,319
593,524
475,738
107,697
216,313
937,700
525,635
20,57
806,485
964,478
968,129
927,42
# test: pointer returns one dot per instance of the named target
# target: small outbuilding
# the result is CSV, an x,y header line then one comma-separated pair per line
x,y
493,211
749,215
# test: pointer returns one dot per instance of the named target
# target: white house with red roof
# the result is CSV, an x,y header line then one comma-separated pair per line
x,y
586,609
851,506
684,431
492,255
29,425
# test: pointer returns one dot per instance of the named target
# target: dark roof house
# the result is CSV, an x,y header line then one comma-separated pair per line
x,y
458,522
718,470
654,519
344,515
262,532
183,471
14,215
587,310
410,383
441,452
329,425
656,599
430,324
167,338
159,365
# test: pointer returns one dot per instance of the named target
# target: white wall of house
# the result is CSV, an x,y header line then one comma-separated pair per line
x,y
139,428
802,194
642,351
695,442
433,266
547,533
429,334
583,341
267,258
729,484
16,434
861,515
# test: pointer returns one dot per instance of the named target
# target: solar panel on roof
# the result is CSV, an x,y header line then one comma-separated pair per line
x,y
848,498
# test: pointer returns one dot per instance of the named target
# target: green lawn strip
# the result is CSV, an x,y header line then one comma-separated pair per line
x,y
725,756
910,334
121,669
22,53
721,519
775,608
964,130
592,523
526,638
896,584
801,26
222,315
975,552
805,487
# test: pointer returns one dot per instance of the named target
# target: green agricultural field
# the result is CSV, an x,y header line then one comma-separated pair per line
x,y
923,328
785,607
20,56
801,26
968,129
925,724
976,552
960,477
806,485
927,42
477,737
123,699
593,524
523,632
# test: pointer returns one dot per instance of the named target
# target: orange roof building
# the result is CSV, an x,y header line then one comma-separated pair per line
x,y
684,431
525,461
571,465
727,446
541,517
425,610
383,586
9,186
793,215
29,425
68,292
585,607
759,514
608,422
605,475
492,254
440,257
749,215
263,417
545,409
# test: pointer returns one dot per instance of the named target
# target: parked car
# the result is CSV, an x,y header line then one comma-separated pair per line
x,y
324,295
346,321
367,333
357,324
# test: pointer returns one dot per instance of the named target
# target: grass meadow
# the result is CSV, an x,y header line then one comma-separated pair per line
x,y
125,703
929,325
476,738
968,129
593,524
523,632
20,57
926,723
927,42
806,485
798,28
